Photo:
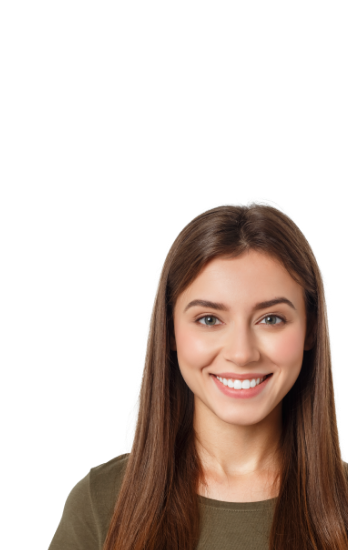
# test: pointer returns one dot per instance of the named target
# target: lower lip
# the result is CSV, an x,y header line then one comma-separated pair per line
x,y
241,394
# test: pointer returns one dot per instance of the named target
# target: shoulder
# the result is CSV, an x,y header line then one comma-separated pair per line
x,y
89,507
101,486
105,482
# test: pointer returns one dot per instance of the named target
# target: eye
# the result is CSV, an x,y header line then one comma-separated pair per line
x,y
208,320
211,320
272,320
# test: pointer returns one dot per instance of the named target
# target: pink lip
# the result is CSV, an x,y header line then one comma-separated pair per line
x,y
247,376
241,394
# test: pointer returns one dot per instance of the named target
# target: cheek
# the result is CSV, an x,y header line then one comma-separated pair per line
x,y
192,350
287,350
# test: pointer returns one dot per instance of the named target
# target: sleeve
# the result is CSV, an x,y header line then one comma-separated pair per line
x,y
77,529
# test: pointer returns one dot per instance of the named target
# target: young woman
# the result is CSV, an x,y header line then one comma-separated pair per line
x,y
236,443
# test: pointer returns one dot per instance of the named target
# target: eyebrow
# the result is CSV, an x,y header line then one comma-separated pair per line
x,y
222,307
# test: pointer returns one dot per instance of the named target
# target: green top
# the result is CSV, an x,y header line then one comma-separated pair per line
x,y
90,504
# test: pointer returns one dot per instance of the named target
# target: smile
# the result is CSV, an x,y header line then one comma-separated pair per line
x,y
241,384
241,388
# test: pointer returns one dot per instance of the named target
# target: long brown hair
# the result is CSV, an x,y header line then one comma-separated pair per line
x,y
157,507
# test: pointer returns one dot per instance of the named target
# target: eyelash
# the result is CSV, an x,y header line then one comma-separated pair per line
x,y
284,321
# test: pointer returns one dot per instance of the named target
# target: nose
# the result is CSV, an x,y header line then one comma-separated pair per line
x,y
240,346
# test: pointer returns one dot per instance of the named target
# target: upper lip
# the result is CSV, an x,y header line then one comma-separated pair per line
x,y
247,376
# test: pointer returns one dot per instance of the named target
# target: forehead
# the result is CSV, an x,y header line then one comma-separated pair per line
x,y
243,281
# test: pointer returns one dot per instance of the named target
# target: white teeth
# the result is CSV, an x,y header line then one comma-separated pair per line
x,y
241,384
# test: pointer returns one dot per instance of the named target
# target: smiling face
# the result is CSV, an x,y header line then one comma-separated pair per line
x,y
224,327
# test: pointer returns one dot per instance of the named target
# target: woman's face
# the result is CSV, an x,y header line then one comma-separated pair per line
x,y
242,319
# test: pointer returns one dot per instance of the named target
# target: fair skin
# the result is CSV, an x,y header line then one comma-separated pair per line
x,y
237,439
